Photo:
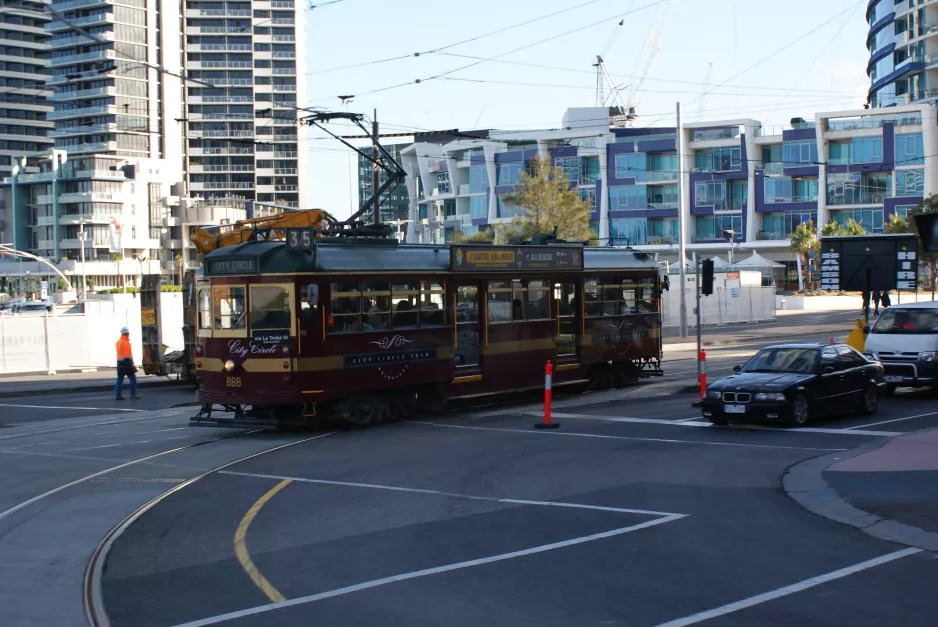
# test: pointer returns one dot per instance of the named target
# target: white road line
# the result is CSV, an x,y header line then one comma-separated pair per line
x,y
261,609
62,407
796,587
696,422
99,434
376,486
874,424
624,437
83,425
89,448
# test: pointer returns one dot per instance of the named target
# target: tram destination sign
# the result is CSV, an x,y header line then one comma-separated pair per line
x,y
231,266
480,258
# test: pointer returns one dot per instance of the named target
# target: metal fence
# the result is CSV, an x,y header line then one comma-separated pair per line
x,y
724,306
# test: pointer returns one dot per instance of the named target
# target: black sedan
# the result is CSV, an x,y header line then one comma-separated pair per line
x,y
791,383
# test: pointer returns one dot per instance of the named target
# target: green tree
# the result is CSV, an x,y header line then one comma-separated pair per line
x,y
852,227
897,224
803,241
547,202
481,237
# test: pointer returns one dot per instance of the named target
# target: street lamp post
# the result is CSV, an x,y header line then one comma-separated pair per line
x,y
84,278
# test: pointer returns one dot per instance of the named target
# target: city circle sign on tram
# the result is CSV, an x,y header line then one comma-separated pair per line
x,y
855,263
513,258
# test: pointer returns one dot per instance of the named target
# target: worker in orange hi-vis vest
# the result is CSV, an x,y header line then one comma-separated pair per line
x,y
125,366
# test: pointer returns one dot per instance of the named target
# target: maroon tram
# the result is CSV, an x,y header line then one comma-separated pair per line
x,y
364,330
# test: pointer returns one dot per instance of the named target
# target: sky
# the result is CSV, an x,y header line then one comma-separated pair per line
x,y
772,60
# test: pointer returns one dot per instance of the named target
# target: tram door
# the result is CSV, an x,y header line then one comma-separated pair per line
x,y
566,335
466,313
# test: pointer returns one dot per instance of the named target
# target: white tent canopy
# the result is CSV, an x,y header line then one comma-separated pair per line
x,y
757,261
718,262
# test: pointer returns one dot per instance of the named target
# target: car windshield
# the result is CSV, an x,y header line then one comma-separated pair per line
x,y
800,360
907,321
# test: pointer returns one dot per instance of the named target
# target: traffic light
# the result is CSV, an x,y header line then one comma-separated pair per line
x,y
706,277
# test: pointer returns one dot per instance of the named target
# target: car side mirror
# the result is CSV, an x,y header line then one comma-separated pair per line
x,y
866,330
827,370
737,368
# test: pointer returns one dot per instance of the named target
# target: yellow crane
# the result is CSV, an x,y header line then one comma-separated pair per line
x,y
274,227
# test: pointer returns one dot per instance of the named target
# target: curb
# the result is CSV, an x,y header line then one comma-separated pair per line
x,y
736,341
88,388
805,483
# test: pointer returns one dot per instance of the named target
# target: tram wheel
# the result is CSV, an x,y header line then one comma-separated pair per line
x,y
406,404
364,411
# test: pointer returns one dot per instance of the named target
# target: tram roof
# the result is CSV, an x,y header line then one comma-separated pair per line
x,y
378,255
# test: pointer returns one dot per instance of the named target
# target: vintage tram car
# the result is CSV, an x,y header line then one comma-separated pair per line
x,y
365,330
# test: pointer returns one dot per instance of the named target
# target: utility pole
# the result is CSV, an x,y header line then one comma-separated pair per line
x,y
680,219
84,278
375,170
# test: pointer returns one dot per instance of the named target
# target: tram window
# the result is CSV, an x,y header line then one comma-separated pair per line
x,y
628,296
432,304
205,309
499,301
405,297
345,308
593,302
565,297
270,308
376,302
467,303
537,306
228,308
646,299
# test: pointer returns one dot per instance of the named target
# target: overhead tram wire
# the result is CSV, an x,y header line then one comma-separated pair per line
x,y
630,76
458,43
775,53
498,56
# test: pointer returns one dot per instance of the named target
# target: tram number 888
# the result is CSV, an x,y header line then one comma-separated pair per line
x,y
233,382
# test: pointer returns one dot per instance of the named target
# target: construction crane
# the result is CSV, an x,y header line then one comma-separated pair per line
x,y
207,239
702,103
602,72
646,57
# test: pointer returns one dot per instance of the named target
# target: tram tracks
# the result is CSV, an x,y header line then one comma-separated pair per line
x,y
92,593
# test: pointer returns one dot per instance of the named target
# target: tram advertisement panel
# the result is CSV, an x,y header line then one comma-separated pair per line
x,y
476,258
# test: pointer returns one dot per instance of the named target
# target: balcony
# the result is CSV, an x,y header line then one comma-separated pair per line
x,y
98,217
280,4
84,130
97,55
89,20
35,177
98,92
218,13
658,176
80,40
44,199
89,148
284,87
285,38
62,7
219,99
291,154
284,71
204,65
772,236
228,82
286,188
213,30
45,220
221,133
660,240
857,197
46,244
72,197
776,168
285,171
282,54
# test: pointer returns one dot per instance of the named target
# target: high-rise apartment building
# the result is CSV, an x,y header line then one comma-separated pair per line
x,y
241,131
903,45
395,203
23,60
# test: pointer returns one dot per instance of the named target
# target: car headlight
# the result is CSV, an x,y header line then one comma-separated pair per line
x,y
714,394
928,356
872,355
229,365
770,396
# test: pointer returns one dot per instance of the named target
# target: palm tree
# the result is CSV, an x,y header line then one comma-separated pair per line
x,y
803,241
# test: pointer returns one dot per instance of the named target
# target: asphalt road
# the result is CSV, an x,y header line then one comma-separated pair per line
x,y
633,512
454,520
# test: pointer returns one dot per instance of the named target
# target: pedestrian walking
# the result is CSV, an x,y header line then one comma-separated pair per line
x,y
125,366
886,300
876,298
866,304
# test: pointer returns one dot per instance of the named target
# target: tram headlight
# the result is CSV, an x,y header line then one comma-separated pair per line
x,y
229,366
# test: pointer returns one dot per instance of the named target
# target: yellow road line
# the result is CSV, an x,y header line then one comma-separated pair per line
x,y
241,550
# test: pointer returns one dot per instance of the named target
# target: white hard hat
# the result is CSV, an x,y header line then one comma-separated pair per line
x,y
125,331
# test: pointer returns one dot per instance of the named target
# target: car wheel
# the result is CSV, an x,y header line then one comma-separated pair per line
x,y
798,416
891,389
870,401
